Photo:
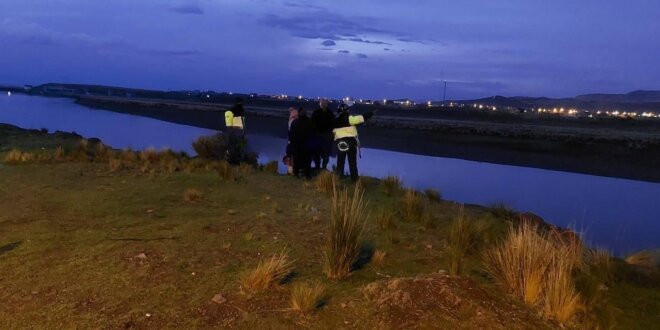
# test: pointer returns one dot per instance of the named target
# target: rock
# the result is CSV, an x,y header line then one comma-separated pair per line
x,y
231,212
150,211
141,256
261,215
219,299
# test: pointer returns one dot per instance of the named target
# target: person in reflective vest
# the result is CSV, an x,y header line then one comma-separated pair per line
x,y
234,118
346,138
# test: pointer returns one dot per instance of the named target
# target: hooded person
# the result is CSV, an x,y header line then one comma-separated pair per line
x,y
302,130
324,120
234,118
346,138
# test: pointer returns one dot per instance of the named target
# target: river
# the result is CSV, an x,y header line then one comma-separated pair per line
x,y
617,214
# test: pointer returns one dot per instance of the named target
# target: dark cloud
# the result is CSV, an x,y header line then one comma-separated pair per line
x,y
302,5
386,49
188,10
171,52
328,43
369,41
343,51
326,26
360,55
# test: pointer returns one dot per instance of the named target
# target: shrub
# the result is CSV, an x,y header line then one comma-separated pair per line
x,y
59,154
268,272
271,167
101,152
343,246
128,156
433,195
224,147
306,298
192,195
412,206
391,185
325,182
462,240
502,211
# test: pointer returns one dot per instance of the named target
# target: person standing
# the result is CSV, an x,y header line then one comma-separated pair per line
x,y
302,130
346,138
234,118
323,119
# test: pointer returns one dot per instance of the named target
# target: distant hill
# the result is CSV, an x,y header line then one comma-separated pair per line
x,y
633,101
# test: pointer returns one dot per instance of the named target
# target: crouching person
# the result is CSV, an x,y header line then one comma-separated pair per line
x,y
346,138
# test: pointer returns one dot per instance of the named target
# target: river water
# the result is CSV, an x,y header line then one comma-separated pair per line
x,y
617,214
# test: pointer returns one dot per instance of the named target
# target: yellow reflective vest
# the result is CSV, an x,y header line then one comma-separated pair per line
x,y
351,130
231,121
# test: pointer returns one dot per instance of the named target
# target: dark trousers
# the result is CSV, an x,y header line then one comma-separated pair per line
x,y
302,161
351,153
323,152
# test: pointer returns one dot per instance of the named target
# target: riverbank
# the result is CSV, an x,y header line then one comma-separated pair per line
x,y
88,243
571,146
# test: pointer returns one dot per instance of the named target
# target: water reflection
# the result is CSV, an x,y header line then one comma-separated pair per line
x,y
621,215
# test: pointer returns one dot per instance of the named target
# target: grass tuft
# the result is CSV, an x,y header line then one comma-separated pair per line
x,y
412,206
391,185
378,257
268,273
325,182
192,195
271,167
306,298
462,240
16,156
348,221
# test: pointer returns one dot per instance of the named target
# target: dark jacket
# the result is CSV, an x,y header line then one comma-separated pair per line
x,y
237,110
302,129
323,120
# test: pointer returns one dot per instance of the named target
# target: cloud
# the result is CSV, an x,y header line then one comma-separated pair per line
x,y
369,41
361,55
324,25
188,10
343,51
328,43
33,33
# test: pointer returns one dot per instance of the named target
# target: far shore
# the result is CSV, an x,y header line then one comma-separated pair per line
x,y
570,148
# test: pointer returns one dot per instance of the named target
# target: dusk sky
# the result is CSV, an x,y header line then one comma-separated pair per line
x,y
359,48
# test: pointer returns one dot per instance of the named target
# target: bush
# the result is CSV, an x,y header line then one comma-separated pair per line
x,y
306,298
224,147
343,246
267,273
16,156
433,195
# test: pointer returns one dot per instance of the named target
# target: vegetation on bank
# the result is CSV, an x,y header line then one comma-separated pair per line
x,y
106,238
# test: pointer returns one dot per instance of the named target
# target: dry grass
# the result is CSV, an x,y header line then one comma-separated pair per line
x,y
348,222
192,195
462,240
391,185
433,195
325,182
306,298
114,164
539,268
149,155
378,257
646,259
268,273
412,206
385,220
521,262
271,167
225,170
59,154
18,157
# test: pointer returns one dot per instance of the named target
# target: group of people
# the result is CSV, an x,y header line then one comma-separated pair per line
x,y
315,138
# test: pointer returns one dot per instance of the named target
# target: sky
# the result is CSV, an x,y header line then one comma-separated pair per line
x,y
358,48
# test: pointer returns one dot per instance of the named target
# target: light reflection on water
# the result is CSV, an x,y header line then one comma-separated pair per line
x,y
621,215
